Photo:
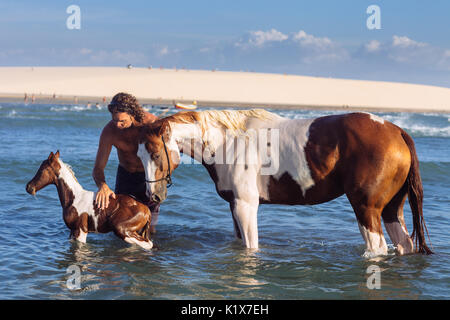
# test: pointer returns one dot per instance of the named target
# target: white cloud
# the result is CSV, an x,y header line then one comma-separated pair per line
x,y
260,38
406,52
444,61
373,46
309,40
405,42
116,57
85,51
11,53
318,49
163,51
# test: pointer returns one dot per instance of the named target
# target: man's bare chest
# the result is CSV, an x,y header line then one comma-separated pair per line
x,y
126,142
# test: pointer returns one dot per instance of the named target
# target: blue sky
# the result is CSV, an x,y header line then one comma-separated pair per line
x,y
319,38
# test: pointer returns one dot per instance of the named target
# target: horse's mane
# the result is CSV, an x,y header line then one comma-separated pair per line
x,y
234,120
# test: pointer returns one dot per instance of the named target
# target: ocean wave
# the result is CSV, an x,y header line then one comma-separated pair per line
x,y
12,114
417,124
418,130
76,108
422,124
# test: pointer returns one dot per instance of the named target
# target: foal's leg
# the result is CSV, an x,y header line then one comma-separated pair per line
x,y
395,223
128,231
129,221
245,215
135,238
80,231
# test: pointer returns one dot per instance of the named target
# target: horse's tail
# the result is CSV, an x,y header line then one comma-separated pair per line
x,y
415,198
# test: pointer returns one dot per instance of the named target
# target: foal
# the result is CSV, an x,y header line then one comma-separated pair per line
x,y
126,217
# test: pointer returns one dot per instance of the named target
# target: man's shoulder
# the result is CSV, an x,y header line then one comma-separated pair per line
x,y
109,130
149,117
109,127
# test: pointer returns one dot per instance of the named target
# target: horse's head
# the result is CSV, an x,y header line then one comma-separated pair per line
x,y
160,156
46,174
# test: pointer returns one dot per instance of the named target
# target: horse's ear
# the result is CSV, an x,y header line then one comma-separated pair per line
x,y
165,131
57,154
50,156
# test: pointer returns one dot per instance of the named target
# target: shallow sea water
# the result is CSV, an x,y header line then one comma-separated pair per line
x,y
306,252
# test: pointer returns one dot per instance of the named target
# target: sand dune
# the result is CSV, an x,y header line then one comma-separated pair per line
x,y
220,88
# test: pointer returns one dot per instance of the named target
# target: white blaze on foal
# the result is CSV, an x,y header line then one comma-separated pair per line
x,y
83,200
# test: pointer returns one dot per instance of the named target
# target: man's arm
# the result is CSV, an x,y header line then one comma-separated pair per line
x,y
103,152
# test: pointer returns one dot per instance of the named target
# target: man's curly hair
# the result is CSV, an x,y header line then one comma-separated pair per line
x,y
125,102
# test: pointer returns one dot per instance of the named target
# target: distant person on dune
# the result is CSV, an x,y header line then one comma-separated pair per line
x,y
122,132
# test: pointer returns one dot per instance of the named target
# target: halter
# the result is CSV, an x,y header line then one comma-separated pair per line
x,y
168,178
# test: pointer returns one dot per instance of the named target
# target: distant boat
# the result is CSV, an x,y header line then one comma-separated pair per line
x,y
192,106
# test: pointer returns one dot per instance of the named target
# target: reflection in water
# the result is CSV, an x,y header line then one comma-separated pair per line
x,y
397,278
240,269
250,263
104,267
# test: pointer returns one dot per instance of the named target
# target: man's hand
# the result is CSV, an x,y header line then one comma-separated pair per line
x,y
102,197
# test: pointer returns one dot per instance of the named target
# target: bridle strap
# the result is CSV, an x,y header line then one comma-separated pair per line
x,y
168,178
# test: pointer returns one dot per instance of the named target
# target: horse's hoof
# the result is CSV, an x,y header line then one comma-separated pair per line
x,y
149,245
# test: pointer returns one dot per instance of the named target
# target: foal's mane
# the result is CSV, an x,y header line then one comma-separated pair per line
x,y
234,120
69,168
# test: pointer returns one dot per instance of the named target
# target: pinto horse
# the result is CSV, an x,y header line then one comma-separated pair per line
x,y
126,217
306,162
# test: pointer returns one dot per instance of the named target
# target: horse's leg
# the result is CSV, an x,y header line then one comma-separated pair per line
x,y
395,223
245,215
369,222
237,232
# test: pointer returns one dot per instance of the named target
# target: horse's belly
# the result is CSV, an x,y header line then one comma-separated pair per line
x,y
286,190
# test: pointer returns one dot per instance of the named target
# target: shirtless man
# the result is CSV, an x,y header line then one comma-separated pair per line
x,y
122,132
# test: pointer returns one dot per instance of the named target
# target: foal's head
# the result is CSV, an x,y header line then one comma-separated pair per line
x,y
46,174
